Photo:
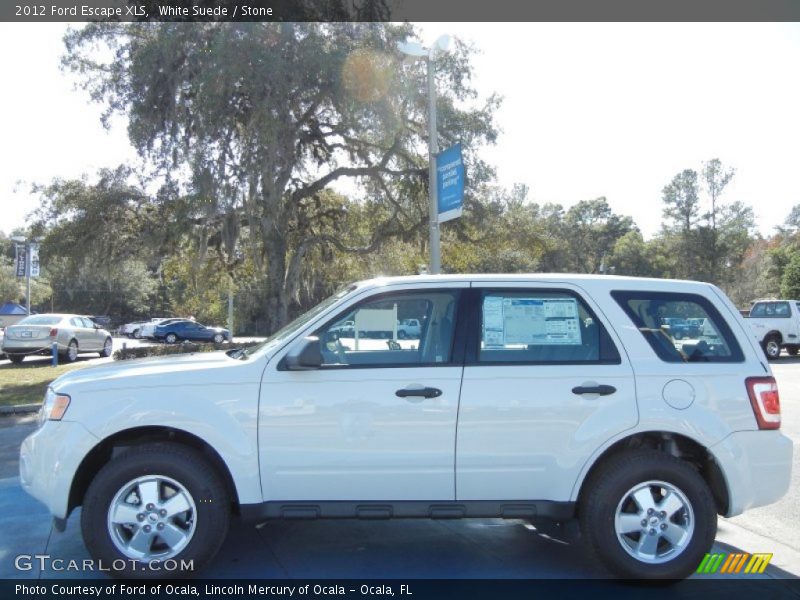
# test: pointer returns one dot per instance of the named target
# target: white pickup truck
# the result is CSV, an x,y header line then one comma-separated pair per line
x,y
776,325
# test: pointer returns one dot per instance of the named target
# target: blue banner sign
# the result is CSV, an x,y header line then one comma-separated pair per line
x,y
450,183
21,266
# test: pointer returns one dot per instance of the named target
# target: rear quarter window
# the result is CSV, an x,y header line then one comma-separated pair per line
x,y
681,327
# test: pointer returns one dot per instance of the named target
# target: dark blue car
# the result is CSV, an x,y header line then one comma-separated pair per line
x,y
189,330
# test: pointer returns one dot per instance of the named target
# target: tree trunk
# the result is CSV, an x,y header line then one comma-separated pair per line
x,y
275,304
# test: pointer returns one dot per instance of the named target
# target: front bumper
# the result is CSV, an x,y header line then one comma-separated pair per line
x,y
49,459
757,466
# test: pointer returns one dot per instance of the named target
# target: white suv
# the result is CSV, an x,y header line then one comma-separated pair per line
x,y
540,397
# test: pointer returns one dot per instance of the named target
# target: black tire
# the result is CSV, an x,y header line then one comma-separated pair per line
x,y
792,350
108,348
16,358
772,347
69,356
610,484
179,463
137,334
219,338
171,338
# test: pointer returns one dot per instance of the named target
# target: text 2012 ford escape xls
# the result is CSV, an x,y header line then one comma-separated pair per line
x,y
541,397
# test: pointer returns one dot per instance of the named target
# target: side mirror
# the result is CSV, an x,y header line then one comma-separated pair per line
x,y
306,356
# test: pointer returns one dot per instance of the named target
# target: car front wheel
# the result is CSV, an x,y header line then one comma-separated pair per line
x,y
155,503
108,346
219,338
648,515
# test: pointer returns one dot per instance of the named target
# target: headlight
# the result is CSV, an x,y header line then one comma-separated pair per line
x,y
53,407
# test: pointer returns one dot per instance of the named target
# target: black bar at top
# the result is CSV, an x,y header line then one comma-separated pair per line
x,y
399,10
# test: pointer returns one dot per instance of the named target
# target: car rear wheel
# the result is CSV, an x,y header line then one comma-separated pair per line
x,y
16,358
171,338
772,347
71,355
155,503
648,515
108,346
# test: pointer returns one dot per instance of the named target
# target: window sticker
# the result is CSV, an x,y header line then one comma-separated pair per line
x,y
531,321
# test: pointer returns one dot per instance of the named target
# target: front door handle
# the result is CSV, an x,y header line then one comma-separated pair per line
x,y
425,392
600,390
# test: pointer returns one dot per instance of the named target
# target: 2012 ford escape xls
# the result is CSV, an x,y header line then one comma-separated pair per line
x,y
524,396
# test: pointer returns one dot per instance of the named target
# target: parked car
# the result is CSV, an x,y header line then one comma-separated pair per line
x,y
132,330
345,329
74,334
776,325
408,328
178,330
680,328
548,398
148,330
103,321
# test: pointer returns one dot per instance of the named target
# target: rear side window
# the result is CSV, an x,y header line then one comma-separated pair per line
x,y
681,327
773,310
541,326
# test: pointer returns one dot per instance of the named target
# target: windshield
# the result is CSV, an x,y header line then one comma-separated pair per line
x,y
40,320
298,323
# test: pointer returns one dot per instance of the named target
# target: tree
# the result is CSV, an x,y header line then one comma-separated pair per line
x,y
97,238
715,179
265,116
681,201
592,229
790,282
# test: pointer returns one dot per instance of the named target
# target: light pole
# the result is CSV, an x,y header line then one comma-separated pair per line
x,y
27,244
416,50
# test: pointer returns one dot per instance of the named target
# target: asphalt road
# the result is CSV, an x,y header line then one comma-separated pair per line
x,y
483,548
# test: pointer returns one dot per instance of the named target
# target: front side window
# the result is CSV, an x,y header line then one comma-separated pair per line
x,y
402,329
681,327
537,326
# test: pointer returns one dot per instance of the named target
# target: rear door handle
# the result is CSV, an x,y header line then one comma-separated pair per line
x,y
425,392
600,390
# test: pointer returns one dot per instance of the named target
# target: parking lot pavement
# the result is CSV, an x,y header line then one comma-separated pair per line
x,y
328,549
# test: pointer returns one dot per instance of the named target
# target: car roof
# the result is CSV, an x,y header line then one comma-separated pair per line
x,y
580,279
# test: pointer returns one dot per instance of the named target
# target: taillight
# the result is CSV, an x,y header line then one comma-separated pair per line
x,y
764,397
54,332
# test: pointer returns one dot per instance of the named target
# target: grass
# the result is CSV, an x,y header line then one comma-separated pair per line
x,y
26,383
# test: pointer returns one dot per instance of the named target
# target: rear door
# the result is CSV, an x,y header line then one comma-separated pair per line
x,y
545,384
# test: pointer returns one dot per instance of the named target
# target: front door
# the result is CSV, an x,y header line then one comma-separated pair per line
x,y
544,386
378,420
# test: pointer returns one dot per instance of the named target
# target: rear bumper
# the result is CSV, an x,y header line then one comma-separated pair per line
x,y
32,347
757,466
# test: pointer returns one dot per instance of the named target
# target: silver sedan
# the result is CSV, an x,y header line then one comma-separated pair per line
x,y
35,334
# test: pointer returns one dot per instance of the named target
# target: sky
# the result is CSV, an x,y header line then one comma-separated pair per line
x,y
589,110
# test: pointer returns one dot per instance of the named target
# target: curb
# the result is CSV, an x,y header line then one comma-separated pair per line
x,y
19,409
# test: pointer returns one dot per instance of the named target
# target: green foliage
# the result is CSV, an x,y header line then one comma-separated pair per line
x,y
263,117
95,246
790,282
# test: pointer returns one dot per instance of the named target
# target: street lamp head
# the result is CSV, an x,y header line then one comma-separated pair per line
x,y
443,43
414,49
